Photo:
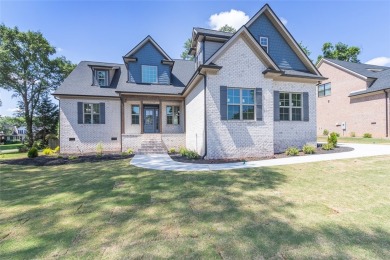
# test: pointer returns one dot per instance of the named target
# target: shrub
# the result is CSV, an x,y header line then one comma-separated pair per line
x,y
292,151
308,149
332,139
130,151
12,142
57,149
367,135
32,153
23,149
51,136
188,153
48,151
327,147
182,151
99,149
326,132
172,150
73,157
352,134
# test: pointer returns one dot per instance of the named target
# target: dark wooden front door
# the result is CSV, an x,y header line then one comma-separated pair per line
x,y
151,120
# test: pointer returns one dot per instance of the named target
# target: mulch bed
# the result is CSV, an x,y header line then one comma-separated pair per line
x,y
58,160
179,158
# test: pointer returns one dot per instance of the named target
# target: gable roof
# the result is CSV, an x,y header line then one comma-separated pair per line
x,y
266,9
210,32
142,43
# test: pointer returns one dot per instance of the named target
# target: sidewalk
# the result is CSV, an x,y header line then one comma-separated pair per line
x,y
164,161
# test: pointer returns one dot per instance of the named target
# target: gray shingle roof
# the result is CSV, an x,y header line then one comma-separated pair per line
x,y
213,32
79,82
296,73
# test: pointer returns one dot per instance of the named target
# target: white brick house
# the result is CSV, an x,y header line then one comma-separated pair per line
x,y
247,94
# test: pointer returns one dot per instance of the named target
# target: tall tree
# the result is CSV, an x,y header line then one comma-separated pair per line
x,y
305,50
46,117
340,51
227,28
27,68
187,46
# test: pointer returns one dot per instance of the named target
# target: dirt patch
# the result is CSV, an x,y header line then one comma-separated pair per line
x,y
71,159
179,158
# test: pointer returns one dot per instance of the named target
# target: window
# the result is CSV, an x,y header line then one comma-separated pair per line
x,y
324,90
91,113
135,114
102,77
149,74
290,106
241,104
264,43
173,115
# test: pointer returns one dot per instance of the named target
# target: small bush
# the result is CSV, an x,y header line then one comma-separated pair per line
x,y
308,149
47,151
367,135
51,137
32,153
326,132
327,147
130,151
292,151
188,153
352,134
23,149
182,151
73,157
57,149
332,139
172,150
99,149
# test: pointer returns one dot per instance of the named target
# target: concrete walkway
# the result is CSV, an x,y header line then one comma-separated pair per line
x,y
164,162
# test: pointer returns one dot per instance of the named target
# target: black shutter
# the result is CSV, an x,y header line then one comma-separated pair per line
x,y
223,102
80,112
102,113
305,106
259,104
276,106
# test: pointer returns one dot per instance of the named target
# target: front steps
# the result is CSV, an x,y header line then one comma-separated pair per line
x,y
152,144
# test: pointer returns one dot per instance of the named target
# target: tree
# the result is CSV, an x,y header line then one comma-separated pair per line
x,y
305,49
227,28
46,118
7,123
28,69
187,46
340,51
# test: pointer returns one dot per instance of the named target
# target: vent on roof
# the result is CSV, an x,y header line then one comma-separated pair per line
x,y
375,70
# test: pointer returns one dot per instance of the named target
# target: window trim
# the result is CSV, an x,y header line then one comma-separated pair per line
x,y
173,115
92,113
241,104
324,89
266,46
139,112
290,106
106,75
142,73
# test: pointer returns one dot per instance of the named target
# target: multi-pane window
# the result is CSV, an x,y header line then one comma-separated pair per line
x,y
173,115
102,77
91,113
264,43
324,90
290,107
149,74
241,104
135,114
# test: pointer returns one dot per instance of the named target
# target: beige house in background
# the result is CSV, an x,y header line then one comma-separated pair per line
x,y
354,98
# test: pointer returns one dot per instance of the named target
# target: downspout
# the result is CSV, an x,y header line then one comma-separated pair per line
x,y
205,115
387,112
121,115
59,121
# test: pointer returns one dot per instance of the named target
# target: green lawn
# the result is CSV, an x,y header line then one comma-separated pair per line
x,y
9,146
109,209
359,140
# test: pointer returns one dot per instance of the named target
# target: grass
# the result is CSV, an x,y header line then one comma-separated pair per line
x,y
110,209
9,146
358,140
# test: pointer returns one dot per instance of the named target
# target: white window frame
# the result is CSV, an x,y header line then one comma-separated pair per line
x,y
92,113
143,75
105,77
291,106
241,104
265,46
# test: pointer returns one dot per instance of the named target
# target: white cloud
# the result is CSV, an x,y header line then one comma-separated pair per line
x,y
234,18
13,110
283,20
380,61
59,49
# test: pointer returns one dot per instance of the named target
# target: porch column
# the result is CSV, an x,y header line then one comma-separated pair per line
x,y
160,116
142,116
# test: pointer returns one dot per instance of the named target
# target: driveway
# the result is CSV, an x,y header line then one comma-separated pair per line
x,y
164,161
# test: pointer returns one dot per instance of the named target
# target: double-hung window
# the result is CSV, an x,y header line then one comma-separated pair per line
x,y
264,43
324,90
135,114
241,104
149,74
91,113
102,77
290,106
173,115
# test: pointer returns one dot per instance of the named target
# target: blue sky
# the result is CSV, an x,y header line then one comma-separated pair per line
x,y
106,30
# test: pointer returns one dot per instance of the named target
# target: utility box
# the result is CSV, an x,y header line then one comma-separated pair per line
x,y
344,126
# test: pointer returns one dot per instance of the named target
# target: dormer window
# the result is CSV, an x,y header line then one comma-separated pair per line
x,y
149,74
102,77
264,43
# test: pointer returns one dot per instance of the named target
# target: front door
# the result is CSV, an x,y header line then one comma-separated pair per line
x,y
151,120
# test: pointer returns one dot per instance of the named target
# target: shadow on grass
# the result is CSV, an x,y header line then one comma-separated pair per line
x,y
109,209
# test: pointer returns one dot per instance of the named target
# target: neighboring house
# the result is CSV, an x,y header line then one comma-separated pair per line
x,y
18,134
251,93
354,99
